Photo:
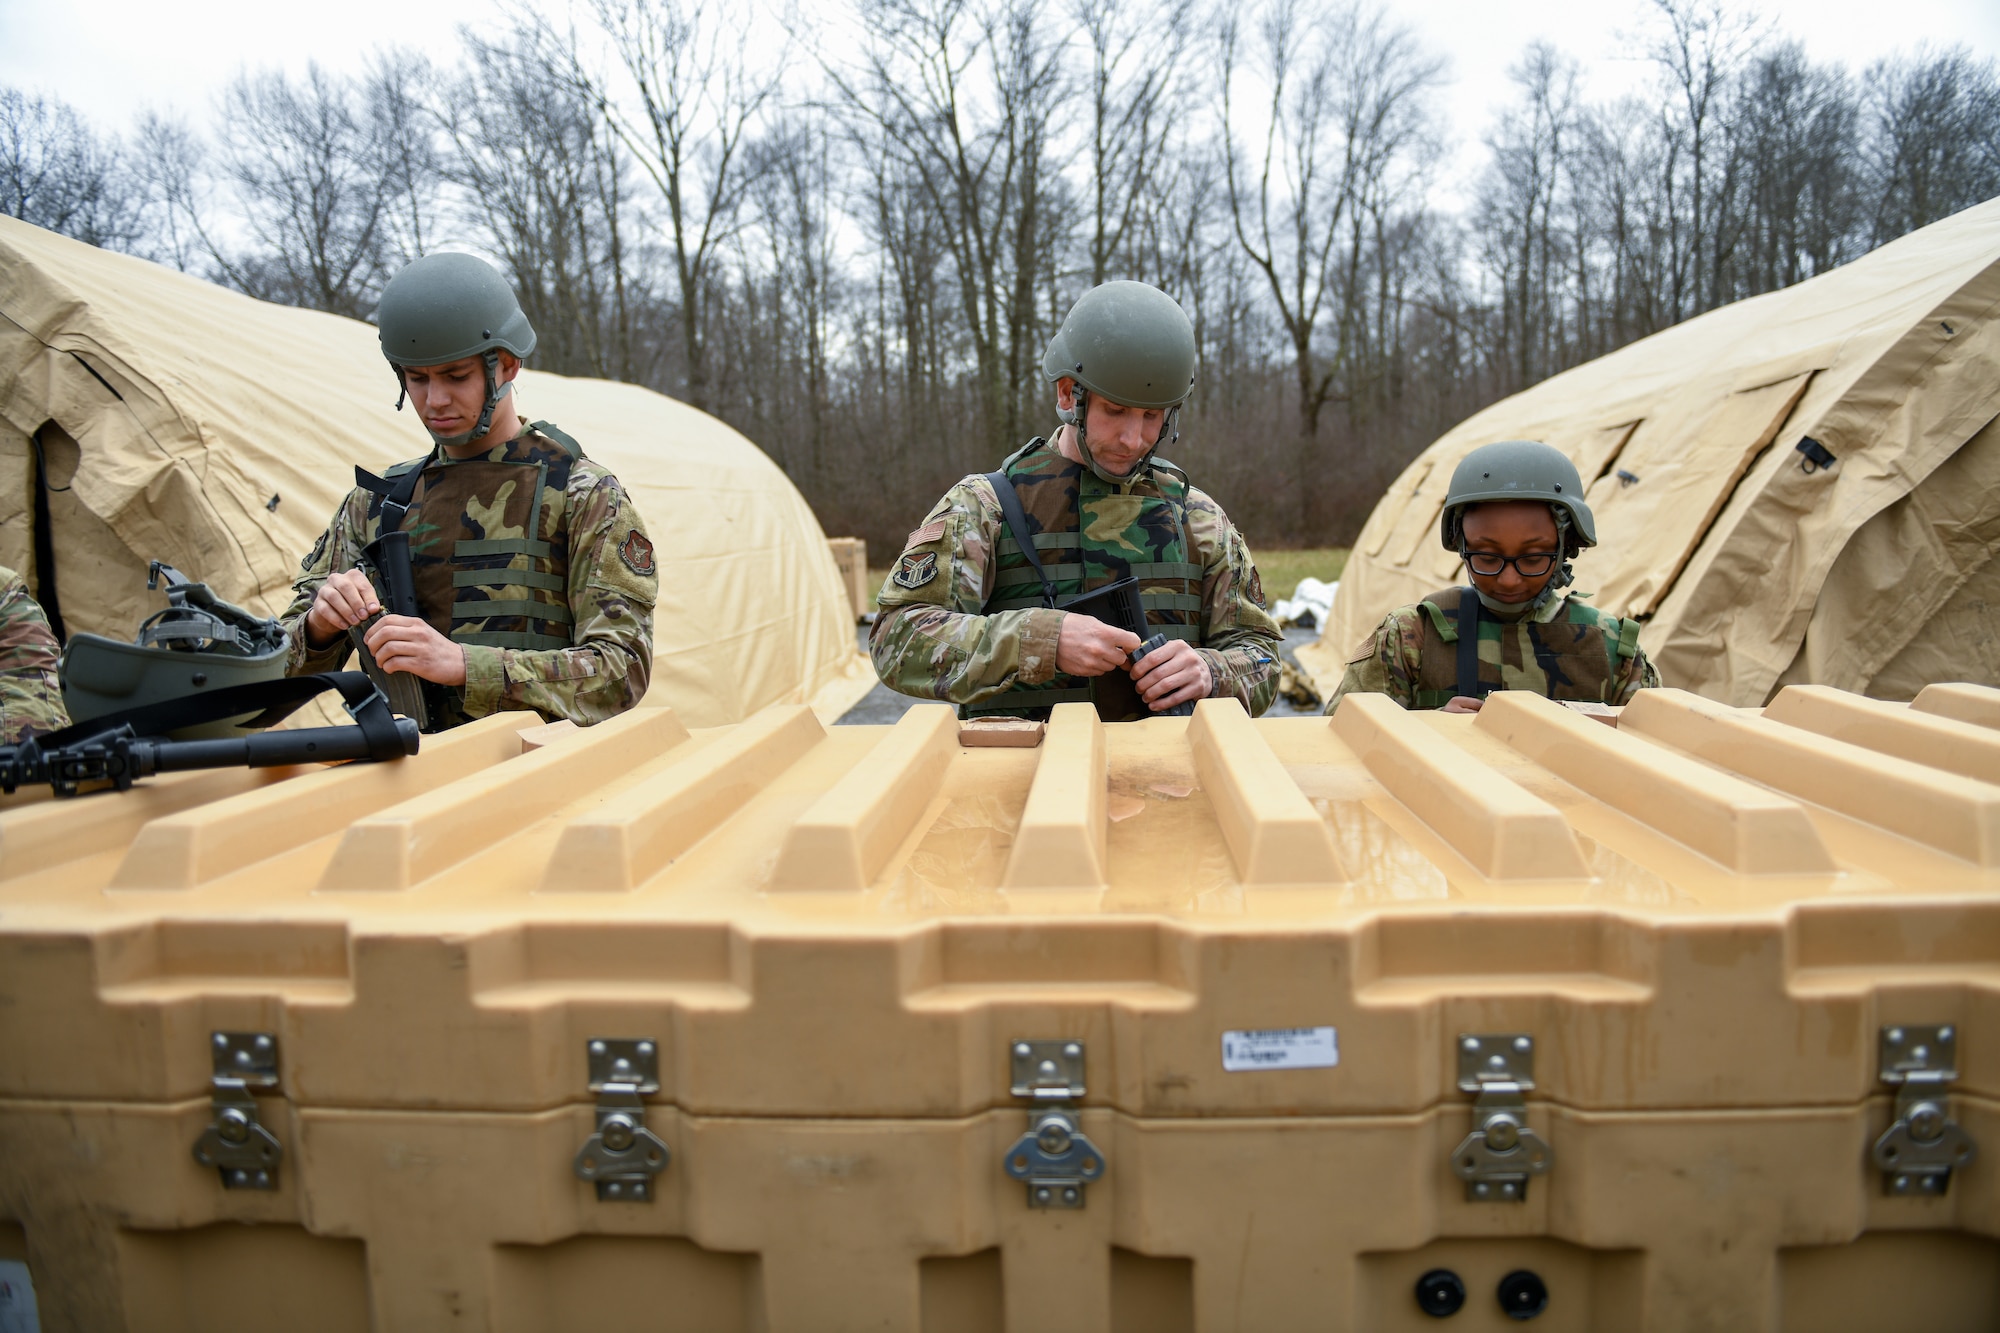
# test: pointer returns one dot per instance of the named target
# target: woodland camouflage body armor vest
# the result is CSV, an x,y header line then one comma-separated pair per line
x,y
1577,656
1090,533
489,541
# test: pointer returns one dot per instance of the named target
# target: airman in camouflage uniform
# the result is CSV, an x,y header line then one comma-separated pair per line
x,y
963,616
532,569
30,699
1515,514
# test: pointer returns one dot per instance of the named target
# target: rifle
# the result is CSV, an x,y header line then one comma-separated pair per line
x,y
386,562
1115,693
122,747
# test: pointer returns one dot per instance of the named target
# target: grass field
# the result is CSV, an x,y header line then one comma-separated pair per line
x,y
1280,570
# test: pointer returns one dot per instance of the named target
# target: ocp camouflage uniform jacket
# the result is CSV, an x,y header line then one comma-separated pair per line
x,y
560,622
30,699
1566,650
935,639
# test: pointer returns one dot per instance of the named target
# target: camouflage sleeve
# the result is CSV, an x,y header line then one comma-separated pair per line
x,y
1637,674
1386,661
613,583
339,547
1239,638
30,699
929,639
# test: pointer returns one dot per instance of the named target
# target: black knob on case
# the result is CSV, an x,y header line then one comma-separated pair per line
x,y
1440,1293
1523,1295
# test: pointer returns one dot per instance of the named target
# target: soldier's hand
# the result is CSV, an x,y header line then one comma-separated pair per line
x,y
405,643
1462,703
1172,674
1089,647
345,599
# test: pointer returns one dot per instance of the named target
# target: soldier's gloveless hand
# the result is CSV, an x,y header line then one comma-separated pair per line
x,y
1173,674
405,643
1463,703
346,599
1086,646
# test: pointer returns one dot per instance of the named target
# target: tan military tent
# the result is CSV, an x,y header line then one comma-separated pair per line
x,y
183,422
1753,566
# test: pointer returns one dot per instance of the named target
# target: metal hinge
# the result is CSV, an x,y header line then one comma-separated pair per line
x,y
623,1156
1919,1149
241,1150
1055,1159
1500,1154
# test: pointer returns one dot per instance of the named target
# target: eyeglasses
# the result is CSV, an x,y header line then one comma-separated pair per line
x,y
1530,566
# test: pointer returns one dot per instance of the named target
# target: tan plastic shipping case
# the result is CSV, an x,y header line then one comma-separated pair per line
x,y
1195,1024
850,557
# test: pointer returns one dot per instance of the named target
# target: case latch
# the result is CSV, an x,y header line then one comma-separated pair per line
x,y
623,1156
243,1152
1501,1153
1918,1151
1055,1159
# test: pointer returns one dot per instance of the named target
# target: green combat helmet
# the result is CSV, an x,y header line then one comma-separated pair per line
x,y
199,643
1519,470
1128,342
444,308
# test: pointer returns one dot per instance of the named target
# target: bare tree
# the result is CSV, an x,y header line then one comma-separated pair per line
x,y
542,183
1935,138
57,173
1699,53
1520,200
1136,82
1341,114
306,163
697,99
793,174
1798,135
984,167
398,91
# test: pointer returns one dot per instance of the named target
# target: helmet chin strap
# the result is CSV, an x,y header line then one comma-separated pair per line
x,y
1077,415
495,391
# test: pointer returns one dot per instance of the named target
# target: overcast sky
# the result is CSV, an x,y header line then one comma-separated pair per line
x,y
113,58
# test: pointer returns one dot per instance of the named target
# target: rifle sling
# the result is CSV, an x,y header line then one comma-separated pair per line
x,y
277,699
1017,524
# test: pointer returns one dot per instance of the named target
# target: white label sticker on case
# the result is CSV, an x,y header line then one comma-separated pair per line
x,y
17,1299
1280,1048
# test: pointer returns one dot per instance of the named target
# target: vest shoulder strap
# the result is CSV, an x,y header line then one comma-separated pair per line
x,y
554,432
1445,629
395,487
1007,463
1177,475
1468,645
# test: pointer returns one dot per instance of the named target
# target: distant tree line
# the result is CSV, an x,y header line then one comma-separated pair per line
x,y
857,260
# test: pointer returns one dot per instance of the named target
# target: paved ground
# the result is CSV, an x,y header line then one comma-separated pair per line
x,y
883,705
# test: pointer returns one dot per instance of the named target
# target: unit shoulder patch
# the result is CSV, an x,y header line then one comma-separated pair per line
x,y
928,533
914,571
318,550
637,553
